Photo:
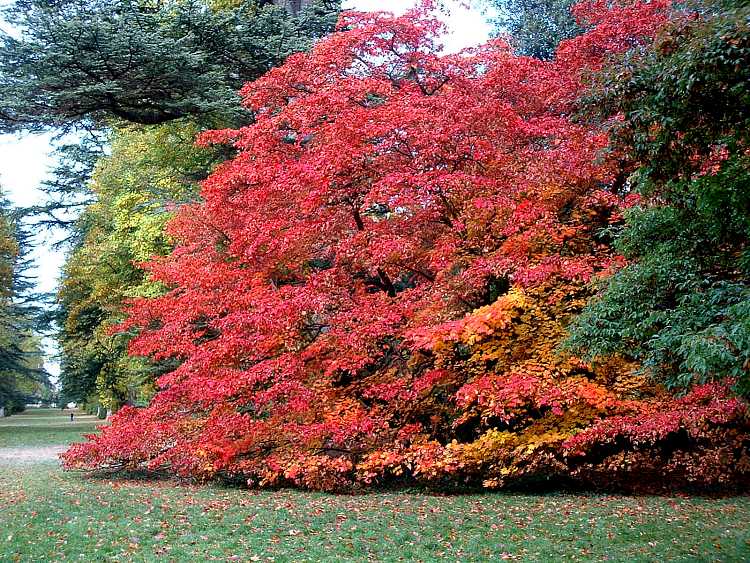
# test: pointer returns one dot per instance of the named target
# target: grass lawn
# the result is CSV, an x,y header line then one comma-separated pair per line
x,y
50,515
42,427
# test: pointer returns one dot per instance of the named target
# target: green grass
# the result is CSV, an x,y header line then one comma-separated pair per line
x,y
48,515
43,427
52,435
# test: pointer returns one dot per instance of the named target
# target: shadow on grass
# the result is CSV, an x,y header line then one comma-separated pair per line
x,y
553,487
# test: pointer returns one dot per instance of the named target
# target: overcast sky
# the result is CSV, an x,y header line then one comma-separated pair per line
x,y
26,160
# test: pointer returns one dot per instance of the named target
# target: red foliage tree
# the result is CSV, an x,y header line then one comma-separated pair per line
x,y
375,286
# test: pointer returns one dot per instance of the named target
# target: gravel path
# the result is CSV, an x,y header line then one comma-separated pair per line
x,y
10,456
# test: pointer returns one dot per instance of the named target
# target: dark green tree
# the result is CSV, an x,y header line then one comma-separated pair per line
x,y
66,189
682,304
142,61
90,66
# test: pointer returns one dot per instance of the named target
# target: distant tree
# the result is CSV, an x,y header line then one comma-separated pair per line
x,y
66,190
536,26
21,368
10,352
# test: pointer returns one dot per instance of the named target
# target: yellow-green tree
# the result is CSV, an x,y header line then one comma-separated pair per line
x,y
150,172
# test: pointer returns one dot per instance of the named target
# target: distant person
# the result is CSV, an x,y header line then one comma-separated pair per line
x,y
71,417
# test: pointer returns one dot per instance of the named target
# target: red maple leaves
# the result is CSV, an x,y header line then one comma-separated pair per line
x,y
384,198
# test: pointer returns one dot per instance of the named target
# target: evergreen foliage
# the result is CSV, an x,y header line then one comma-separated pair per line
x,y
142,61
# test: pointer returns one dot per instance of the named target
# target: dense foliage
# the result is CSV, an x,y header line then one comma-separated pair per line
x,y
149,173
680,122
376,288
92,66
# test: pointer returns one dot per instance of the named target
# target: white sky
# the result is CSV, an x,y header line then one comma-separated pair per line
x,y
26,160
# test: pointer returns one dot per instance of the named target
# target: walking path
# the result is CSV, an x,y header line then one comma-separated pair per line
x,y
40,435
30,454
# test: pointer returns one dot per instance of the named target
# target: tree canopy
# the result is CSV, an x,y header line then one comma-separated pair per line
x,y
679,120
